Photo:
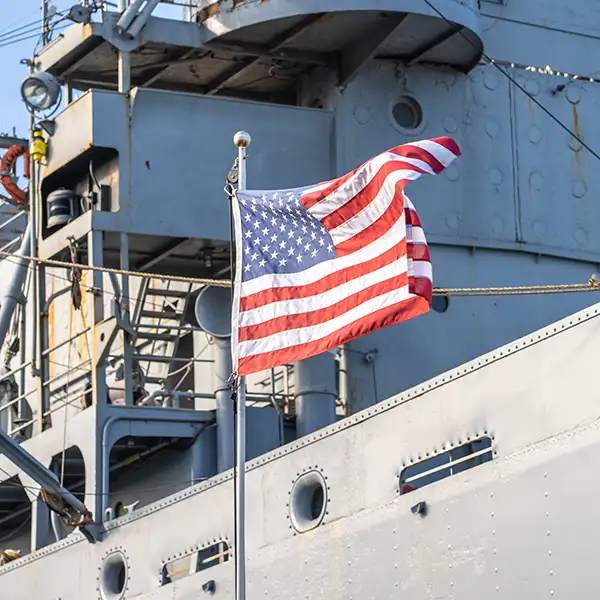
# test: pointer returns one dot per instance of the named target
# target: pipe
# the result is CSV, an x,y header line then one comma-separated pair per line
x,y
276,407
315,393
14,290
105,452
142,18
225,415
343,381
52,298
128,14
124,58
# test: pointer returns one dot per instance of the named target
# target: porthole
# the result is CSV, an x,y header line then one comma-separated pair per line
x,y
113,577
407,114
440,303
308,501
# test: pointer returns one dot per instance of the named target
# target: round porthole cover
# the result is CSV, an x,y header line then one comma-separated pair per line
x,y
114,576
308,501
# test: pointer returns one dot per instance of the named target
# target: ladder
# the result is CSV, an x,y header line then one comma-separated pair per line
x,y
158,317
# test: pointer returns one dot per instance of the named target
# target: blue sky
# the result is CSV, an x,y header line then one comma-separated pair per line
x,y
20,19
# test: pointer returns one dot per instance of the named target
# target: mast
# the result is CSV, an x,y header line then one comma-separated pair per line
x,y
242,141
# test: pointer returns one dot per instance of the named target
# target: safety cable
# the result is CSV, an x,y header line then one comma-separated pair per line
x,y
593,284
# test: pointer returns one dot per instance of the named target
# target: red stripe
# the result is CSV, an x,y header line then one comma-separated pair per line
x,y
418,252
448,143
376,229
402,311
367,194
421,286
321,315
412,218
309,199
328,282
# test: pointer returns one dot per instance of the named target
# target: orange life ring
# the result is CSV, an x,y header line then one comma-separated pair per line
x,y
6,164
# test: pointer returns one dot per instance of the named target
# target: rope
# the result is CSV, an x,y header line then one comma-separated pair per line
x,y
71,265
592,286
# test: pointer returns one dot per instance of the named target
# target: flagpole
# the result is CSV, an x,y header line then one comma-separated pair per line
x,y
242,141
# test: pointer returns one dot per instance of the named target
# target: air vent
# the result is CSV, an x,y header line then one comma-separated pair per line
x,y
196,561
442,465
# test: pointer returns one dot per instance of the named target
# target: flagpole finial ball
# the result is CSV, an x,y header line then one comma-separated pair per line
x,y
242,139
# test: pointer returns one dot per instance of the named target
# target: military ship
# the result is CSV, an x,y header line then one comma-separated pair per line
x,y
439,458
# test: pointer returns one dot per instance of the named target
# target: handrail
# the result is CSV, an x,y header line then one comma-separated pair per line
x,y
12,219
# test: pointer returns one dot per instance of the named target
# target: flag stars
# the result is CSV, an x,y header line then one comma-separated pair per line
x,y
279,236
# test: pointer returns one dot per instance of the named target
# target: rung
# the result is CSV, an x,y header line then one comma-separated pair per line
x,y
153,358
167,293
155,314
166,337
154,380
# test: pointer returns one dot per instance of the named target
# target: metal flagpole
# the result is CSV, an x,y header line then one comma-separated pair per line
x,y
242,141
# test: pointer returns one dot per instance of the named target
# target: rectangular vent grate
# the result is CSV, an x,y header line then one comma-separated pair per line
x,y
195,562
438,467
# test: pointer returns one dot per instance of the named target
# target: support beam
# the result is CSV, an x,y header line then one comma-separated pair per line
x,y
360,52
274,46
154,72
422,51
47,480
6,141
165,253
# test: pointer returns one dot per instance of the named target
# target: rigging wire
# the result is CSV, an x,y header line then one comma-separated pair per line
x,y
514,81
593,285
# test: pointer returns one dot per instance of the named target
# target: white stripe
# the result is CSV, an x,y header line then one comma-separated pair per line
x,y
416,235
294,337
324,299
365,174
418,268
388,240
374,210
249,194
442,154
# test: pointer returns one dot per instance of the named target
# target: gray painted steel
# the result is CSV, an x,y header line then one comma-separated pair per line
x,y
321,87
370,542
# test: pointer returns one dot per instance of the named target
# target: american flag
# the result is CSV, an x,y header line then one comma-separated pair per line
x,y
321,265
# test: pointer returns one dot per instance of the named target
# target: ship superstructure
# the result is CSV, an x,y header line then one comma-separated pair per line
x,y
362,478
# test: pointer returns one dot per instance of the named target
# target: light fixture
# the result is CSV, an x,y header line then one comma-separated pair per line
x,y
40,91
